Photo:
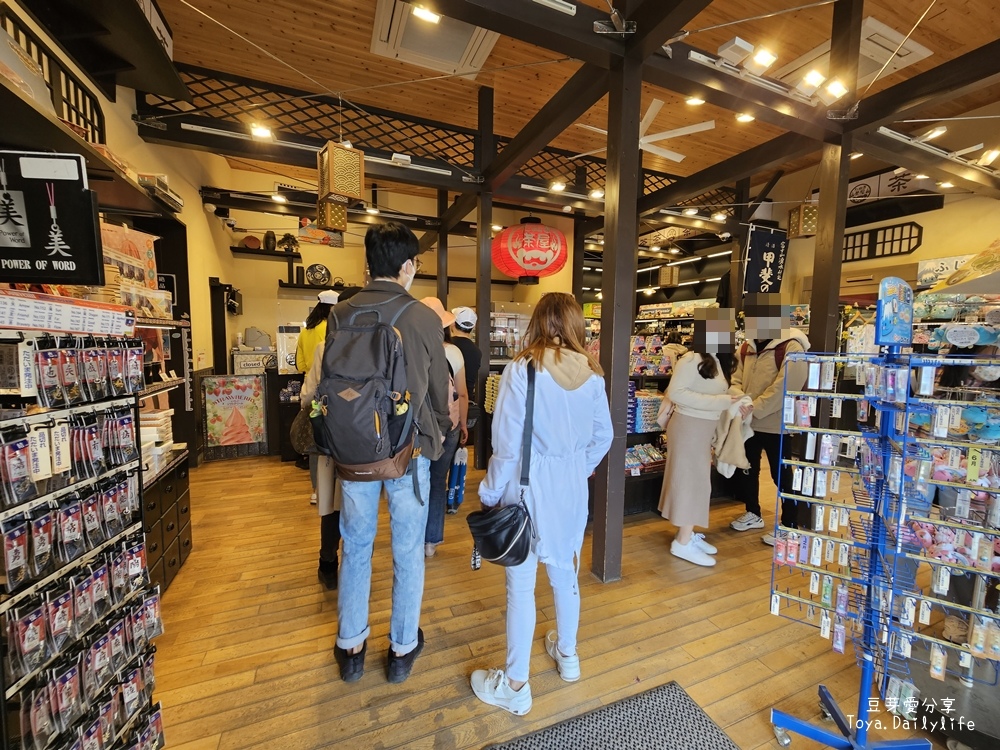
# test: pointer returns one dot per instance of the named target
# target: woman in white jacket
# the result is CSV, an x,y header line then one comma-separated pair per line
x,y
571,434
698,390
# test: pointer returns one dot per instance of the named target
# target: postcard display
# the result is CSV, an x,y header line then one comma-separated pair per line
x,y
880,565
77,610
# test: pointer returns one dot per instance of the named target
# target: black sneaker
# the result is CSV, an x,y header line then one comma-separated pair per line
x,y
352,666
328,574
399,667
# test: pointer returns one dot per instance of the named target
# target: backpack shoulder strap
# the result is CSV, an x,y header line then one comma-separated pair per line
x,y
779,353
743,352
401,310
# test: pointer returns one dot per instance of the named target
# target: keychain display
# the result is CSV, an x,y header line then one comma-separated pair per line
x,y
59,619
151,615
71,540
66,694
18,486
28,636
15,553
92,521
69,372
43,530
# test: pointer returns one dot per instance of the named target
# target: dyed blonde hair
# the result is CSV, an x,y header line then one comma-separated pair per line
x,y
556,324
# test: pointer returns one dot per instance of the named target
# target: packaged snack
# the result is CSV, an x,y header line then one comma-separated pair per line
x,y
136,621
95,373
148,675
106,714
100,653
60,619
134,379
156,724
110,512
92,737
119,576
138,573
43,728
132,693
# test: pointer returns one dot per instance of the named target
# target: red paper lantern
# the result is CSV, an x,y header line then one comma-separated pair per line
x,y
529,251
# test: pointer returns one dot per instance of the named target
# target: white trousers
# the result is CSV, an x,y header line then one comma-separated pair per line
x,y
521,613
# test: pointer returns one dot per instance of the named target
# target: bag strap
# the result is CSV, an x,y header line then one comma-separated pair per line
x,y
529,415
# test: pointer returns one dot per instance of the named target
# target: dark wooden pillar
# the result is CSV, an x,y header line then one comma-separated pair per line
x,y
578,253
442,252
618,305
484,267
740,234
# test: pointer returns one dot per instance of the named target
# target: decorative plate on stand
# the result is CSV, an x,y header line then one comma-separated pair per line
x,y
318,275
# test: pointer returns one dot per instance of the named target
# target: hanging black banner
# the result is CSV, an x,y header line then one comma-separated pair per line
x,y
765,260
49,231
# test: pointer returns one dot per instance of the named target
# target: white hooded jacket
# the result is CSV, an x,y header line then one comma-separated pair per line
x,y
758,376
571,434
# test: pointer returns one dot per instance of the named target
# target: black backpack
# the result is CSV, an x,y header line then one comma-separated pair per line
x,y
366,420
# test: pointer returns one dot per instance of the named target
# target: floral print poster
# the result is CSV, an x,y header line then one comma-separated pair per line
x,y
234,410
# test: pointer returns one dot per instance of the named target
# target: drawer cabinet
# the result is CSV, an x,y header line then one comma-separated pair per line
x,y
167,524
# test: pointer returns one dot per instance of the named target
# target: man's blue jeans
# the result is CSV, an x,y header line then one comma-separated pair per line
x,y
358,524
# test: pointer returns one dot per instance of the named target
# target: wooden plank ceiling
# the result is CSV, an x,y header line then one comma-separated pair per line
x,y
330,41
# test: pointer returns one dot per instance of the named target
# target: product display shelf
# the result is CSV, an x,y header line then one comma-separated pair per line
x,y
144,322
161,387
78,663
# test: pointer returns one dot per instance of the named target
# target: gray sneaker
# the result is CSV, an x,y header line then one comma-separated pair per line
x,y
569,666
492,687
748,521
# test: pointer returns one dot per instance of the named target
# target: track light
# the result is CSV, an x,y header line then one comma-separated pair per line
x,y
744,117
735,51
694,101
649,292
988,157
425,15
833,91
760,62
690,212
596,194
497,228
932,134
945,185
856,155
346,144
719,216
561,5
279,198
373,210
655,248
557,186
810,82
261,133
921,176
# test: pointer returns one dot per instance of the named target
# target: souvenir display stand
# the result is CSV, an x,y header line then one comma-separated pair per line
x,y
77,607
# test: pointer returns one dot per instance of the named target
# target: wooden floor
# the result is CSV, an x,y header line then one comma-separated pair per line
x,y
247,658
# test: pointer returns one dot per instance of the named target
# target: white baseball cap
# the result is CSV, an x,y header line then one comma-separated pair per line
x,y
328,297
465,318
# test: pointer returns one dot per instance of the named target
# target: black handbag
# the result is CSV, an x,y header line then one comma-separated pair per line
x,y
502,534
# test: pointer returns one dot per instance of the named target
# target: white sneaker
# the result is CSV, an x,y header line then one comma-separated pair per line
x,y
748,521
691,553
493,688
700,543
569,666
768,539
313,499
429,550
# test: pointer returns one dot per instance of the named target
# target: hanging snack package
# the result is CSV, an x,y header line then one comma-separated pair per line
x,y
15,553
137,628
95,451
132,693
106,714
100,653
69,372
43,728
59,616
67,698
119,575
17,470
146,740
101,589
110,511
94,372
29,639
92,737
154,625
116,369
43,530
134,380
156,724
118,645
148,675
83,603
127,438
138,573
50,390
92,524
71,541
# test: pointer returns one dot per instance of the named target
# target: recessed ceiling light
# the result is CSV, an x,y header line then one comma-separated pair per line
x,y
834,90
373,210
425,15
934,133
673,251
694,101
596,194
558,186
761,61
655,248
719,216
690,212
587,268
497,228
856,155
988,157
260,132
921,176
279,198
945,185
810,82
744,117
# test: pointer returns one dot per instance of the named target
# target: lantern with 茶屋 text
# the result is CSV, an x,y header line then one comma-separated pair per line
x,y
529,250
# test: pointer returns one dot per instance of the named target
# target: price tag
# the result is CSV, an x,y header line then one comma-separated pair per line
x,y
974,465
824,624
909,611
833,525
814,583
837,409
817,517
636,471
808,480
827,372
834,482
993,316
924,618
829,552
788,412
954,458
963,502
962,336
904,645
954,417
797,479
40,452
61,454
941,580
810,446
813,381
775,604
844,556
942,416
845,517
813,401
816,553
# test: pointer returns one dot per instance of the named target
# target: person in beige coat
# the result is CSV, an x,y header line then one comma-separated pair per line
x,y
699,392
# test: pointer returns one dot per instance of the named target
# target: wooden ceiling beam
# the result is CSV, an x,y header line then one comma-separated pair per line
x,y
900,154
688,78
963,75
656,22
464,205
578,95
766,156
529,22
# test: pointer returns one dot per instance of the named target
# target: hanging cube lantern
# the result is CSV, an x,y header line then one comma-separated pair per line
x,y
803,221
341,178
529,251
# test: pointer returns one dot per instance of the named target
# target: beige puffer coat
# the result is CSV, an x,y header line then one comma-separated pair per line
x,y
759,378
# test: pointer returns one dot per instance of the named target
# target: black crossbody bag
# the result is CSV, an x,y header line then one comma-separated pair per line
x,y
502,534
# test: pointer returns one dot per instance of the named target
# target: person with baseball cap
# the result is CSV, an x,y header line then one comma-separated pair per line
x,y
461,330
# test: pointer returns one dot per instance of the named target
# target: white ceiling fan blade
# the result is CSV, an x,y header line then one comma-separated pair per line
x,y
672,155
678,132
589,153
651,113
591,127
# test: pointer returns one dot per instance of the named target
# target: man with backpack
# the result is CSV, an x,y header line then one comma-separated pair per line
x,y
760,374
382,411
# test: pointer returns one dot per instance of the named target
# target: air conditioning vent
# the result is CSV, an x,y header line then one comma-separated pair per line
x,y
878,42
448,46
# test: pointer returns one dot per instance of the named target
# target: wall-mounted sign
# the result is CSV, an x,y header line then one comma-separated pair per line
x,y
765,260
894,313
930,272
48,220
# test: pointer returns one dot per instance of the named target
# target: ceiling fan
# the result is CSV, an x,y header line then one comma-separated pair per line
x,y
646,141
